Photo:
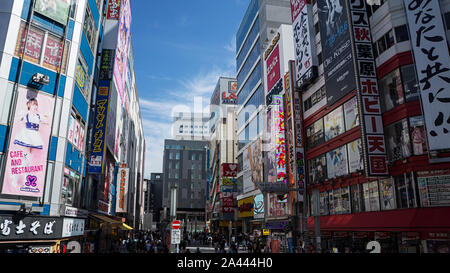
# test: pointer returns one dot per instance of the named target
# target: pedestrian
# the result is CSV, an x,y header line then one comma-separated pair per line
x,y
198,250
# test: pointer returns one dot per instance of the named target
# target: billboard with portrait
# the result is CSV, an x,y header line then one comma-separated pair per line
x,y
26,163
355,156
258,206
337,55
57,10
351,114
122,50
255,156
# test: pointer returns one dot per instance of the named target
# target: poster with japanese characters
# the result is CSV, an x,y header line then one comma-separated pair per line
x,y
32,47
70,128
355,156
432,61
30,228
53,53
57,10
304,42
351,114
26,163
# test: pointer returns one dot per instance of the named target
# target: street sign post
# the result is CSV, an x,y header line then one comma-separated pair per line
x,y
175,236
176,224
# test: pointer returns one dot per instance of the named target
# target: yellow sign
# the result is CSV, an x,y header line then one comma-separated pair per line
x,y
245,207
266,232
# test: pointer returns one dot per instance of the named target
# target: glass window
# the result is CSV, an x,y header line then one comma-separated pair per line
x,y
334,124
387,194
447,20
389,36
248,43
317,169
324,203
177,155
89,28
391,90
355,156
406,197
67,191
337,162
250,84
401,33
418,135
351,114
357,206
315,134
170,155
398,140
410,83
251,59
371,196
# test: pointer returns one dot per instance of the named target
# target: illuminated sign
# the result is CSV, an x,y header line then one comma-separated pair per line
x,y
280,145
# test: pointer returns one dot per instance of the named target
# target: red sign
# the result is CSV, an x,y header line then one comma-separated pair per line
x,y
273,68
113,10
229,169
176,224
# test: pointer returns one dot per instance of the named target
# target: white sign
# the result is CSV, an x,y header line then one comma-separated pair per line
x,y
73,227
432,61
175,236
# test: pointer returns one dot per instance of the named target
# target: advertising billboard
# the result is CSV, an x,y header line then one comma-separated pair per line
x,y
337,162
255,156
304,42
280,141
245,207
273,68
229,169
432,62
258,206
122,189
99,131
336,49
122,49
26,163
113,10
57,10
371,121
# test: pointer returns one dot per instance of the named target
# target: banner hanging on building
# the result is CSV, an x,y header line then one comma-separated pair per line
x,y
372,130
304,42
122,189
338,66
432,62
99,128
26,163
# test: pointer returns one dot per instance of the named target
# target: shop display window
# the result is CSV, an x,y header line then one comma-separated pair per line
x,y
315,134
434,190
387,194
317,169
418,135
391,91
404,186
356,201
398,141
324,203
67,191
341,201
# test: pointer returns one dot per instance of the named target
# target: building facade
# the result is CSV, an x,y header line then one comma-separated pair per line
x,y
222,164
50,64
258,25
184,168
190,126
372,171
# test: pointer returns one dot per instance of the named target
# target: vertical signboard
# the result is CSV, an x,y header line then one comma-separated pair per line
x,y
122,49
99,128
297,115
280,144
113,10
372,130
432,62
336,49
122,190
305,53
272,57
26,163
290,151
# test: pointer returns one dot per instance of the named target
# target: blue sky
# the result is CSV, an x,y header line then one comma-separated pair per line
x,y
181,48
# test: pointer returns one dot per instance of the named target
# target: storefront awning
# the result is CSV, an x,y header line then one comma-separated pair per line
x,y
125,227
419,219
105,218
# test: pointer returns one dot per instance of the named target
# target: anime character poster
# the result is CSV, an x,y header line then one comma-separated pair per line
x,y
57,10
71,128
123,44
26,163
337,162
334,124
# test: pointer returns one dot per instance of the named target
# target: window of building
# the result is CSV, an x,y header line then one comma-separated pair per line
x,y
410,82
357,204
315,98
89,28
391,90
401,34
398,141
386,41
324,203
177,155
49,55
315,134
405,189
371,196
387,194
317,169
76,132
447,20
418,135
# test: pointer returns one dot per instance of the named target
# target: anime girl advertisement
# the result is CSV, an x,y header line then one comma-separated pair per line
x,y
26,163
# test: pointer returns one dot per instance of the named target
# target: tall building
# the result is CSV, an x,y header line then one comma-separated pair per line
x,y
54,99
222,163
190,126
259,24
184,168
376,151
153,199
